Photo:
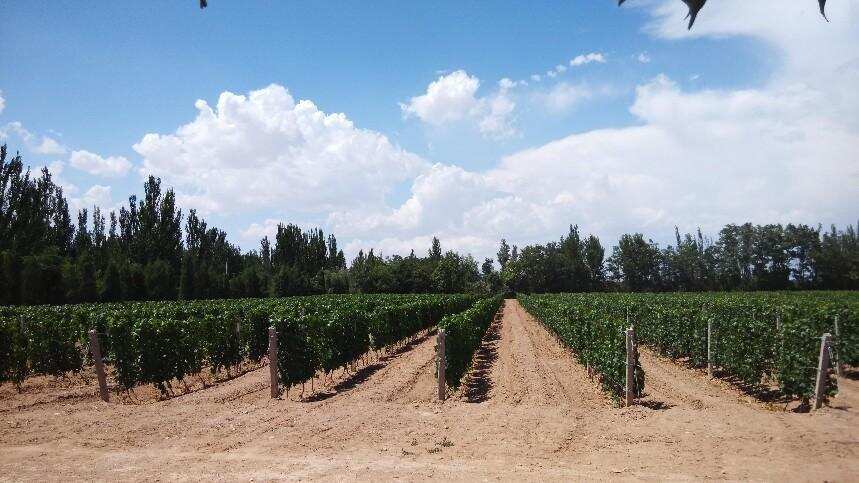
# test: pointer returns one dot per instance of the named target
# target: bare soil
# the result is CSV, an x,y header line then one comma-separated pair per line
x,y
526,411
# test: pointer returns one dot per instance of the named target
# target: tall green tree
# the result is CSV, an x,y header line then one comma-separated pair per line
x,y
503,253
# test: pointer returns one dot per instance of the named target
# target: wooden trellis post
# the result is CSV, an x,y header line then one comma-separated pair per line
x,y
272,362
442,386
630,366
710,368
837,361
822,371
95,349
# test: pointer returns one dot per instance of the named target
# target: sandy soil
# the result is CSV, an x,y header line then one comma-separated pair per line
x,y
527,411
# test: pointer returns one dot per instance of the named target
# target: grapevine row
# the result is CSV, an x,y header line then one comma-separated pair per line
x,y
592,325
759,338
157,342
463,334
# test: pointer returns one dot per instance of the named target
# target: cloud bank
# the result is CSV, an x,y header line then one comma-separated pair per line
x,y
265,151
782,151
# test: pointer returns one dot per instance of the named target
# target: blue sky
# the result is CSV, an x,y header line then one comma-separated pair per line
x,y
99,77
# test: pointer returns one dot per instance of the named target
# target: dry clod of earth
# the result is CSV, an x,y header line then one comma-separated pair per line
x,y
528,411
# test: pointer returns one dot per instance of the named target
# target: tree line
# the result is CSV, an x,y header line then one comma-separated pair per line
x,y
743,257
143,252
150,250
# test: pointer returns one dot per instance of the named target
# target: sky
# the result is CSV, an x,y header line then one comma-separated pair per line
x,y
388,122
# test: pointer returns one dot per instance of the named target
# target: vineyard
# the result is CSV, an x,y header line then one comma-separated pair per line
x,y
759,338
159,342
756,337
544,375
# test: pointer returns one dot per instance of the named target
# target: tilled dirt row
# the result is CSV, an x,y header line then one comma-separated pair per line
x,y
526,411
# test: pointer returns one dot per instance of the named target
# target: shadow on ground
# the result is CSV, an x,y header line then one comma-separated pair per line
x,y
350,382
354,378
478,383
654,404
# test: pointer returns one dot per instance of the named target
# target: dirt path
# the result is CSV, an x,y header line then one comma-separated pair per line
x,y
534,370
529,411
670,384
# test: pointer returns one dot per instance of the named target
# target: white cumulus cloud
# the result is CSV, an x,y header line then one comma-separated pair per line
x,y
587,59
453,98
92,163
50,146
2,102
264,150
